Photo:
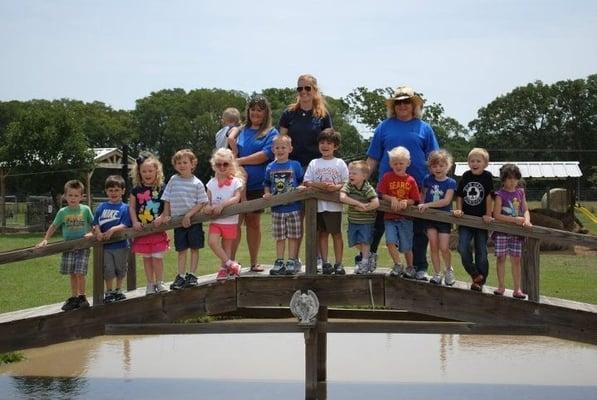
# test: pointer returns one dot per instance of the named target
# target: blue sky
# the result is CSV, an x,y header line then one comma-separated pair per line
x,y
462,54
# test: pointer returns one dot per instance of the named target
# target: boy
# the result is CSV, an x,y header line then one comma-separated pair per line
x,y
328,173
75,220
401,190
112,217
474,197
184,196
281,176
230,120
362,202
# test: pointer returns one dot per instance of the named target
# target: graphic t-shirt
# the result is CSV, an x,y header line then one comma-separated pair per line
x,y
474,190
512,202
148,204
400,187
221,192
436,190
75,222
108,215
331,171
282,178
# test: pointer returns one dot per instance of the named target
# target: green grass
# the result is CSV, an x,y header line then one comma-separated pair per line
x,y
37,282
7,358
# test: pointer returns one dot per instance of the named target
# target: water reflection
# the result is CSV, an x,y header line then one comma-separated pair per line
x,y
271,366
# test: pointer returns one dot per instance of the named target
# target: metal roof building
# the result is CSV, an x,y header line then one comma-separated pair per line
x,y
531,169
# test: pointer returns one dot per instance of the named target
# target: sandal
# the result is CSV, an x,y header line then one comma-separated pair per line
x,y
519,295
256,268
499,292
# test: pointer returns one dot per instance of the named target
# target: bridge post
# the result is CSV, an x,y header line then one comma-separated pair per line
x,y
310,231
98,274
131,274
530,268
322,340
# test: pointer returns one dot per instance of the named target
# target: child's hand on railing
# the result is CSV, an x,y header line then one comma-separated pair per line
x,y
395,204
300,188
459,213
217,209
422,207
137,226
88,235
486,218
527,224
43,243
186,221
267,196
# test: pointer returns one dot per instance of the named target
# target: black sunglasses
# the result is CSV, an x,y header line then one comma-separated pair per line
x,y
301,88
223,164
403,101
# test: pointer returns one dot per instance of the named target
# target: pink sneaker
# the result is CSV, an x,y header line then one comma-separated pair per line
x,y
222,274
234,269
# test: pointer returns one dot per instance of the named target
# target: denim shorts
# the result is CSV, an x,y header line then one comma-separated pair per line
x,y
189,238
400,233
359,234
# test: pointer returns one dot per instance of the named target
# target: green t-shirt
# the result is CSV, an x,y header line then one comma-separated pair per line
x,y
74,222
364,195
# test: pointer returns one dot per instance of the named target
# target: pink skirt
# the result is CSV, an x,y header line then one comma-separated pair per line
x,y
150,244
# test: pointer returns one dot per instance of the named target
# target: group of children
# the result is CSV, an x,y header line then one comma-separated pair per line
x,y
184,196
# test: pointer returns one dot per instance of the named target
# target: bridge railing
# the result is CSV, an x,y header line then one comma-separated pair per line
x,y
530,259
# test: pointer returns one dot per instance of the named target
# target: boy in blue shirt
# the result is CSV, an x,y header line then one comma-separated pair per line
x,y
112,217
281,176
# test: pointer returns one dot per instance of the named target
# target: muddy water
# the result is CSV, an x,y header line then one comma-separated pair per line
x,y
271,366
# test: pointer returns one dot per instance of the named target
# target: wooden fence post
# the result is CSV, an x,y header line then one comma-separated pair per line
x,y
131,274
98,274
311,364
311,240
530,268
322,333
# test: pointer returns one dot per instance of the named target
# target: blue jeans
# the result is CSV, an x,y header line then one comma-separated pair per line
x,y
479,265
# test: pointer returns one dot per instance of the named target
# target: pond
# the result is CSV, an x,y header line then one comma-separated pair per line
x,y
271,366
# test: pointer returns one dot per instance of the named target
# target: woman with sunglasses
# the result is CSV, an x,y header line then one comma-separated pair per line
x,y
254,144
403,127
304,119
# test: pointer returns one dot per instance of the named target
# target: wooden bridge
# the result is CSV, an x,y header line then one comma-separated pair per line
x,y
393,305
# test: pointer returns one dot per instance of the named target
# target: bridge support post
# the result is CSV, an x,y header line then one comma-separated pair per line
x,y
131,275
311,242
98,274
530,268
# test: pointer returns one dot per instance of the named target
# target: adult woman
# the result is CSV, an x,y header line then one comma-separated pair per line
x,y
254,144
304,119
404,127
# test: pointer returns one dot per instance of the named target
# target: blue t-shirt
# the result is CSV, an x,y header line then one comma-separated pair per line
x,y
436,190
108,215
282,178
248,144
417,136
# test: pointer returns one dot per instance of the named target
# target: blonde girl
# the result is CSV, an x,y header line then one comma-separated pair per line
x,y
223,190
145,206
437,191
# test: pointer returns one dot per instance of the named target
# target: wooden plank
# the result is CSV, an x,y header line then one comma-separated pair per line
x,y
322,343
467,305
310,232
356,290
530,268
344,313
98,274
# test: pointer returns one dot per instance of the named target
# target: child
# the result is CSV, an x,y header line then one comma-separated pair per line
x,y
223,190
281,176
112,217
401,189
230,123
184,196
437,192
75,220
510,206
474,197
362,201
328,173
145,206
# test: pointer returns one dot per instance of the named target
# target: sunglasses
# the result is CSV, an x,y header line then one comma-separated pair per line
x,y
301,88
403,101
222,165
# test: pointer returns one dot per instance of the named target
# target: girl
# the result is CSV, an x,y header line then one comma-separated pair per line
x,y
223,189
145,206
510,206
437,192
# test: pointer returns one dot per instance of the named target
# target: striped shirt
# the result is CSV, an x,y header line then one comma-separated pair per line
x,y
364,195
183,194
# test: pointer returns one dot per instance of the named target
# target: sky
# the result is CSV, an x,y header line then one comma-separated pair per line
x,y
462,54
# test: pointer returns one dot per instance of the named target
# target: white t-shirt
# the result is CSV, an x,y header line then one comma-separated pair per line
x,y
222,194
334,171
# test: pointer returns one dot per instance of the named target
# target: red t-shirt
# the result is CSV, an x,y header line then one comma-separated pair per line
x,y
401,187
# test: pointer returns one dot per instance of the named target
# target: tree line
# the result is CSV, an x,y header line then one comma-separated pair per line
x,y
533,122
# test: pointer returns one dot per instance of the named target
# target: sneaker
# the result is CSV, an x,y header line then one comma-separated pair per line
x,y
160,287
409,273
327,269
358,258
222,274
298,265
292,267
436,279
118,295
150,289
278,268
71,303
178,283
234,269
421,275
82,300
397,270
449,279
362,267
339,269
476,287
109,297
190,280
372,262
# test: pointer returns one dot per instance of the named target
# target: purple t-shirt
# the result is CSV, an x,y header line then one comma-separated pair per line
x,y
512,202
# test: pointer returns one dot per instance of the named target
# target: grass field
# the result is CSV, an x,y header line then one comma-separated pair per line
x,y
570,275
